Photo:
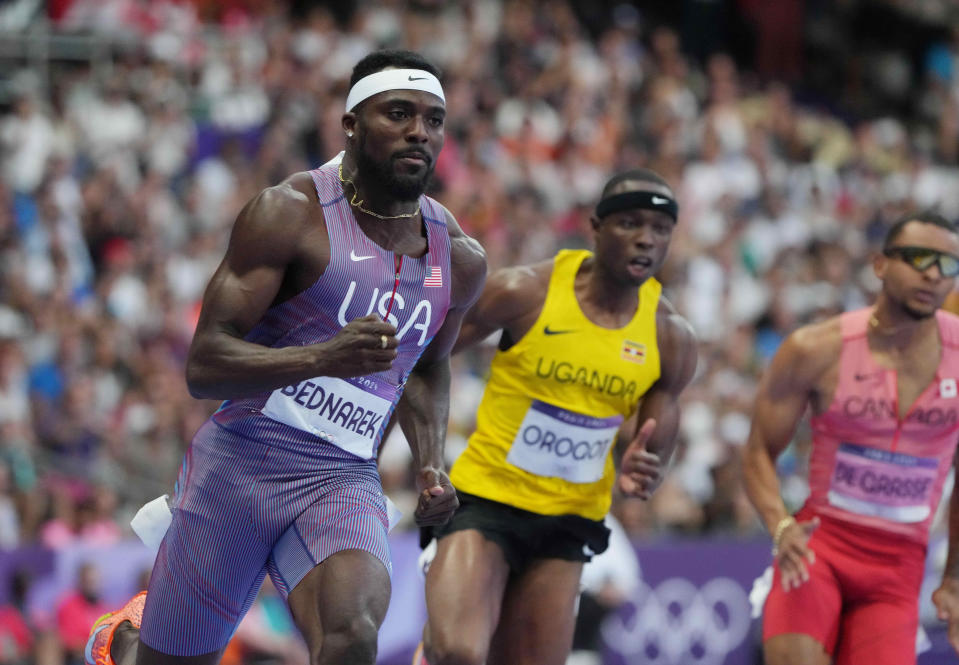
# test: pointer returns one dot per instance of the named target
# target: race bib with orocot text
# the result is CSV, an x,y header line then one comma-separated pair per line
x,y
557,443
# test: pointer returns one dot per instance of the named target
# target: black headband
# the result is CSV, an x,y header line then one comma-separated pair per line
x,y
631,200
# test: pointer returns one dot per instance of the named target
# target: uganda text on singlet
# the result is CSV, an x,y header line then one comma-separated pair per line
x,y
555,400
348,413
867,465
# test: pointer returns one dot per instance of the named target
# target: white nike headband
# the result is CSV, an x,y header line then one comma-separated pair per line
x,y
393,79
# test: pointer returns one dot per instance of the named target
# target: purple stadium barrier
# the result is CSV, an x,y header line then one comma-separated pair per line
x,y
692,608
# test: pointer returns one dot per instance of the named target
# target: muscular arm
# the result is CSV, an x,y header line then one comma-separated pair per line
x,y
791,382
511,301
643,458
951,570
661,403
946,597
265,241
784,393
423,410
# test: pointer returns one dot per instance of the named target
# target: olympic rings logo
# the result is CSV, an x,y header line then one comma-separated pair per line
x,y
679,624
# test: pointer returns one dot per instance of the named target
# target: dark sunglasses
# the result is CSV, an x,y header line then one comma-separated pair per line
x,y
922,258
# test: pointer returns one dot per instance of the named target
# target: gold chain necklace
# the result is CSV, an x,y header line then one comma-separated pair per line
x,y
359,204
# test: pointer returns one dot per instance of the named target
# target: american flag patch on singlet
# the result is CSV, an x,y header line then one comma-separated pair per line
x,y
434,276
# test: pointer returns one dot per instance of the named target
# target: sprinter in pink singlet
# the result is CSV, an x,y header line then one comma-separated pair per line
x,y
338,301
881,383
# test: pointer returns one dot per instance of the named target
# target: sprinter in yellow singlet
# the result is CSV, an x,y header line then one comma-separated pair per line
x,y
586,340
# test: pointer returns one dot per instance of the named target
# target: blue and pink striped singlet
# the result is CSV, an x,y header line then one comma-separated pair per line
x,y
279,482
359,280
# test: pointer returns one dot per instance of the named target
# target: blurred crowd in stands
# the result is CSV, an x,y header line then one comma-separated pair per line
x,y
793,132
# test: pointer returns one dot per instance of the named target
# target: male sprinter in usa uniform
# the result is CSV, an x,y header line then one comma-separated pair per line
x,y
340,298
586,338
881,383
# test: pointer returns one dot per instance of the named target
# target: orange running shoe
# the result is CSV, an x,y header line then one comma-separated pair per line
x,y
97,651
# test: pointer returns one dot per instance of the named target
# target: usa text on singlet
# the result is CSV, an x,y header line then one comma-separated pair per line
x,y
348,413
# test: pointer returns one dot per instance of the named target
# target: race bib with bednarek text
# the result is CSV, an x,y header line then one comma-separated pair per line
x,y
880,483
556,443
332,409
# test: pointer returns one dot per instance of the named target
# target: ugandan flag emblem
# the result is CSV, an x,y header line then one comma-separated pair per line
x,y
633,352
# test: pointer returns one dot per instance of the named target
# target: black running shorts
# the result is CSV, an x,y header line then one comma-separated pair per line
x,y
524,536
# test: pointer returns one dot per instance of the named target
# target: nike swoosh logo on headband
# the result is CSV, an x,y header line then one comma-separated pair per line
x,y
659,200
416,78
